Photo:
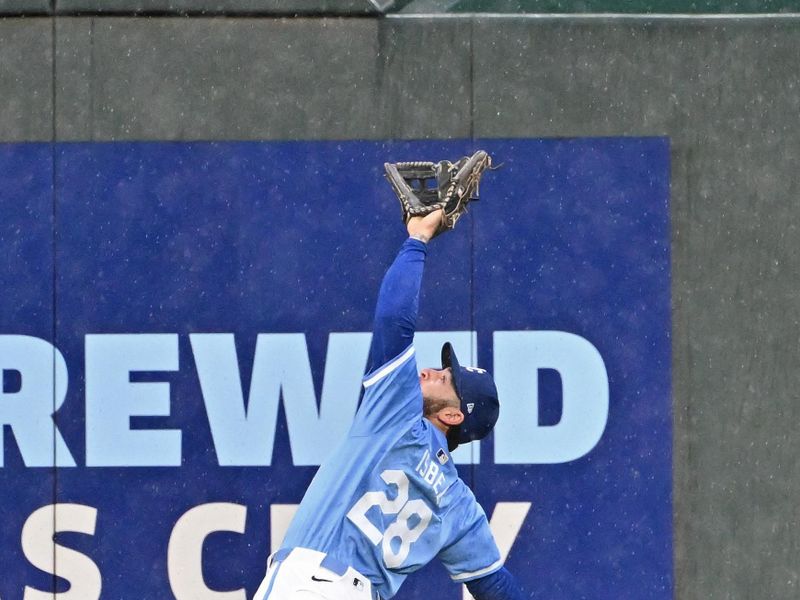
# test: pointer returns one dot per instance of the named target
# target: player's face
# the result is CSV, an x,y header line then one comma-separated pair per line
x,y
437,385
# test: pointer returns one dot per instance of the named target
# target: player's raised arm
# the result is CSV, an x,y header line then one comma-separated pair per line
x,y
341,542
398,298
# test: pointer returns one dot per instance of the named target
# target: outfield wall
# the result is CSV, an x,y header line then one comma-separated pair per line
x,y
723,90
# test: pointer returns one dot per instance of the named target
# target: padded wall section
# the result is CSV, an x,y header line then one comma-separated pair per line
x,y
178,79
26,79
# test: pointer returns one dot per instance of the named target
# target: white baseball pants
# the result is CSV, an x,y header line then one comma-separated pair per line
x,y
303,574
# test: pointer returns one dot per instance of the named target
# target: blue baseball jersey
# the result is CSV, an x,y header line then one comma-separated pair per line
x,y
389,499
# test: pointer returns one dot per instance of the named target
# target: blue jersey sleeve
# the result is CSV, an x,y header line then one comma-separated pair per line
x,y
392,394
397,306
500,585
471,552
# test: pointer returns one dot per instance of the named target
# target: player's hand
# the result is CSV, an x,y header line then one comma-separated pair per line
x,y
427,227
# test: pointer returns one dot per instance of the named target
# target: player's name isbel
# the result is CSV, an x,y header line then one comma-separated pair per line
x,y
432,474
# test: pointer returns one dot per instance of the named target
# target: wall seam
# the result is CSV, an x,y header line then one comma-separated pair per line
x,y
54,198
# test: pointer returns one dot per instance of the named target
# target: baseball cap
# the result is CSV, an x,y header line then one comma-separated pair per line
x,y
478,395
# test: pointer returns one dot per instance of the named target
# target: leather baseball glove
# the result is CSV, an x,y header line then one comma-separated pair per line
x,y
423,187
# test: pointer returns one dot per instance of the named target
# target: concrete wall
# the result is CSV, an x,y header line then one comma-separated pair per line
x,y
726,91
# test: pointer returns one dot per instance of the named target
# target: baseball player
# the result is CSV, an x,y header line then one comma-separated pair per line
x,y
389,499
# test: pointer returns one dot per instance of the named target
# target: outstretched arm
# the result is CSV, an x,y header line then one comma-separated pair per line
x,y
398,299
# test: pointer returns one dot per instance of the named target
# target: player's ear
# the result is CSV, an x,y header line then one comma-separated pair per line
x,y
450,416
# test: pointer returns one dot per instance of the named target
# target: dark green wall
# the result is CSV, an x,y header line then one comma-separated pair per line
x,y
726,91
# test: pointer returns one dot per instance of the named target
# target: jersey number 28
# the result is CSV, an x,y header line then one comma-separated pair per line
x,y
399,529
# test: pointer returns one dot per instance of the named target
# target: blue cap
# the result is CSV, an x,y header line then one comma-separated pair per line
x,y
478,395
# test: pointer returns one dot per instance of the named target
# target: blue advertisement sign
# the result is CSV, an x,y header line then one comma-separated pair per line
x,y
185,327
